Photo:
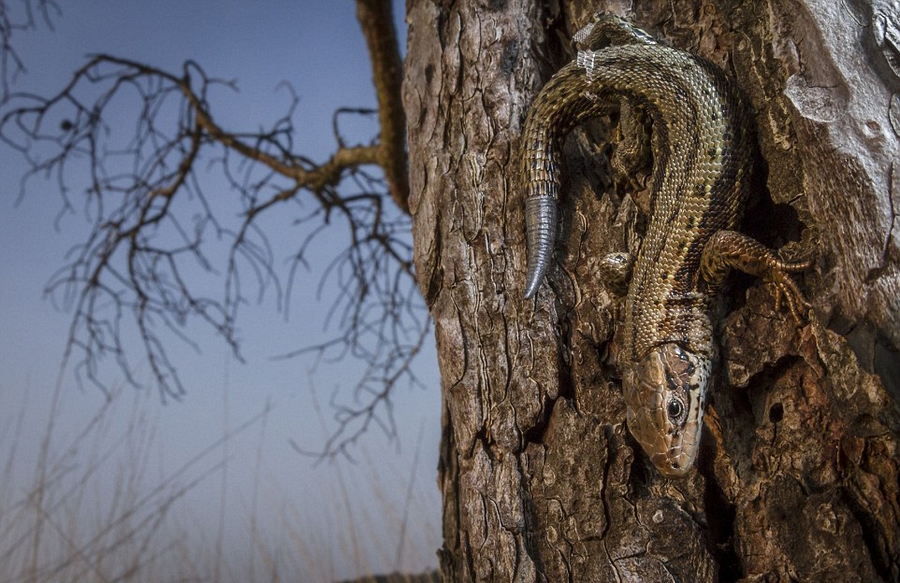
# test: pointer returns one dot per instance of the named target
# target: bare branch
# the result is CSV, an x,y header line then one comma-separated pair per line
x,y
19,16
377,21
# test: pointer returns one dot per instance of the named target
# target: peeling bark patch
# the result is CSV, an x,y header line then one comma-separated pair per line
x,y
510,57
861,495
886,33
822,104
831,525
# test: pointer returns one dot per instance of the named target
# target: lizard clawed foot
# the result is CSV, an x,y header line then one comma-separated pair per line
x,y
785,288
730,249
776,273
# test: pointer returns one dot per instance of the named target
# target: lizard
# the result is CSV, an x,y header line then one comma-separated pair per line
x,y
702,147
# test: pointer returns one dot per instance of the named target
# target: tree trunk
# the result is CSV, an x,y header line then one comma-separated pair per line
x,y
797,479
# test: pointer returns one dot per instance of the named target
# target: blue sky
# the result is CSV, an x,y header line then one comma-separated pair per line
x,y
318,48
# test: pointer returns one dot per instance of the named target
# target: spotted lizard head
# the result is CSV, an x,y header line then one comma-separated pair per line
x,y
664,394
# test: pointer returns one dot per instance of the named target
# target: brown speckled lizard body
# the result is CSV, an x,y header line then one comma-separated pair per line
x,y
701,147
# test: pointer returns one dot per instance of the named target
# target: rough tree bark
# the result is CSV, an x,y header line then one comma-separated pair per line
x,y
798,476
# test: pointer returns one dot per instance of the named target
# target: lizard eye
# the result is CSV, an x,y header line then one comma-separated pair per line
x,y
675,411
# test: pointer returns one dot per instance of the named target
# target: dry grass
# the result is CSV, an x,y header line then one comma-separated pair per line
x,y
99,508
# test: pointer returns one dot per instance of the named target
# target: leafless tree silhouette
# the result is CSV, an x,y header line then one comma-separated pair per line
x,y
155,226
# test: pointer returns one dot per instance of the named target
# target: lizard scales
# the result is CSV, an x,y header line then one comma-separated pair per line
x,y
702,157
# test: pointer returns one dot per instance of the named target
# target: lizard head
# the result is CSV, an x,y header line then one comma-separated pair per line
x,y
664,394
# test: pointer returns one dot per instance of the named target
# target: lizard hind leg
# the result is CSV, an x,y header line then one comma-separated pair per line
x,y
730,249
614,270
609,29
